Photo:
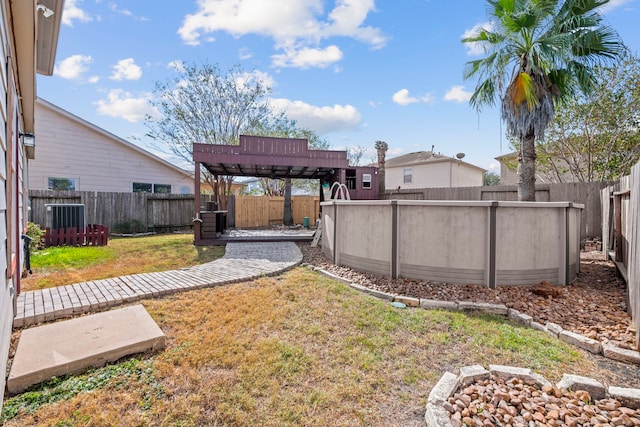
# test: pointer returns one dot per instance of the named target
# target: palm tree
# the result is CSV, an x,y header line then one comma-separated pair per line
x,y
381,147
538,52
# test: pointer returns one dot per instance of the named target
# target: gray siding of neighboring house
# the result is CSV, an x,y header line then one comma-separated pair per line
x,y
434,174
69,147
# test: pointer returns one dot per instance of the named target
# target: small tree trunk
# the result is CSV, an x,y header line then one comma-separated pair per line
x,y
287,218
527,169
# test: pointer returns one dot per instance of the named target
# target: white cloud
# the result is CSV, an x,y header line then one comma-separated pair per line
x,y
255,76
126,69
296,26
177,65
72,67
124,105
613,4
245,53
402,97
457,94
477,48
94,79
428,98
72,12
322,120
308,57
493,167
114,7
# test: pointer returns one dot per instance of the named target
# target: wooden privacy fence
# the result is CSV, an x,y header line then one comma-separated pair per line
x,y
621,235
165,212
154,211
584,193
263,211
93,235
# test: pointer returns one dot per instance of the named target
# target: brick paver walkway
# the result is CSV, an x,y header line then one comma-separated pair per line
x,y
242,261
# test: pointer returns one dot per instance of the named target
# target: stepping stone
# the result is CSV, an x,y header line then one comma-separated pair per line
x,y
74,345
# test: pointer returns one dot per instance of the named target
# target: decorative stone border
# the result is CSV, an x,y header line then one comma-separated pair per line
x,y
437,416
593,346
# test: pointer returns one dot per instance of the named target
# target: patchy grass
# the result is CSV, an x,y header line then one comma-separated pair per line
x,y
301,349
57,266
57,389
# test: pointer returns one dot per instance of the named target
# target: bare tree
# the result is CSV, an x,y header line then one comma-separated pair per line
x,y
203,104
354,154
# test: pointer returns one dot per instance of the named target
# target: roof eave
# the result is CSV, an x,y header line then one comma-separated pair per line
x,y
47,36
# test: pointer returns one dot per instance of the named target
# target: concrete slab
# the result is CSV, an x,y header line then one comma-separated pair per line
x,y
74,345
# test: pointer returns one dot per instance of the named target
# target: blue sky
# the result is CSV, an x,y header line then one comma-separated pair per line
x,y
354,71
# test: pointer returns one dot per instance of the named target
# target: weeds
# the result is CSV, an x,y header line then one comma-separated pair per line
x,y
57,389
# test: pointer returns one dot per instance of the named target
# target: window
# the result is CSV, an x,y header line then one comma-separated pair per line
x,y
366,180
143,187
408,175
62,184
161,188
350,179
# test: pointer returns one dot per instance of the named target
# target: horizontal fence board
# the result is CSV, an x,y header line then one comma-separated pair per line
x,y
586,193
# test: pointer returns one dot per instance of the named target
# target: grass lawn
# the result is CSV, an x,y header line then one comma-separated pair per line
x,y
57,266
298,349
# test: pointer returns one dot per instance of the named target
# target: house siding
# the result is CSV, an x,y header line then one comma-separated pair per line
x,y
66,148
464,176
12,166
434,174
6,289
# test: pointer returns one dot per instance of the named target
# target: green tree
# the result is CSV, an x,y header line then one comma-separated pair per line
x,y
538,52
596,137
490,178
207,105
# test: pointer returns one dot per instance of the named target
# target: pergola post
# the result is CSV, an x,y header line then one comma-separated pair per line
x,y
196,198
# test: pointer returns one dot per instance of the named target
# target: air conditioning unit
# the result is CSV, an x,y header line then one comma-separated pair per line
x,y
65,216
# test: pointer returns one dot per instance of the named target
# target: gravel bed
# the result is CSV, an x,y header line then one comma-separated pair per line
x,y
496,402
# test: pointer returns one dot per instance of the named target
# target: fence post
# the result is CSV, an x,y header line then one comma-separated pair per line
x,y
490,274
394,239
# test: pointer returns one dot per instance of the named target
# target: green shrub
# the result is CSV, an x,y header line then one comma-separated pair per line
x,y
36,234
129,227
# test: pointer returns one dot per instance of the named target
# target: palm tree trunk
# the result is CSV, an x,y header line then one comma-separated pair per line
x,y
287,218
527,169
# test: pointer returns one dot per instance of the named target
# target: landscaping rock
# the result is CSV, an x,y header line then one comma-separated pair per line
x,y
435,304
583,342
576,382
629,397
621,354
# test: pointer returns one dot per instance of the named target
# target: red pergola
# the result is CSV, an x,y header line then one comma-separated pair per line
x,y
269,157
